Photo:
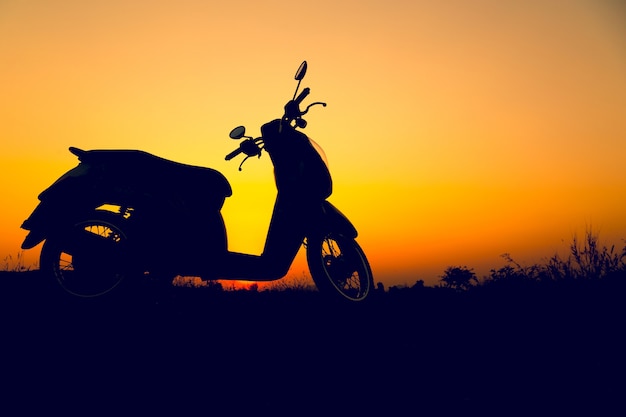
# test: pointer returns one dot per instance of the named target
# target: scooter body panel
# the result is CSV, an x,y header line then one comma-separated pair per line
x,y
149,192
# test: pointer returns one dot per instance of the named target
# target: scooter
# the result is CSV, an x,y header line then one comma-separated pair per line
x,y
125,214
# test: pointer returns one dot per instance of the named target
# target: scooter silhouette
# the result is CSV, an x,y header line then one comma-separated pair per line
x,y
125,214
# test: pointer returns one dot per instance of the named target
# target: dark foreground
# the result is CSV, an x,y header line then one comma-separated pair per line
x,y
522,351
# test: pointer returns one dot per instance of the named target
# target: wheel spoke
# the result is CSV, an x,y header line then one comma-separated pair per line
x,y
343,267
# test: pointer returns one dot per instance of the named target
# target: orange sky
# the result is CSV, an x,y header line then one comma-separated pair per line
x,y
455,131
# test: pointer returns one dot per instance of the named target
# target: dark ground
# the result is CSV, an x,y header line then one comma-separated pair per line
x,y
499,351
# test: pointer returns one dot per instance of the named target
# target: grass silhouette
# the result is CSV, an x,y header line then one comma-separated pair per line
x,y
15,264
544,339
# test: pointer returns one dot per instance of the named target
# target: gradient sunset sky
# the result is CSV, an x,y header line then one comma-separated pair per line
x,y
455,130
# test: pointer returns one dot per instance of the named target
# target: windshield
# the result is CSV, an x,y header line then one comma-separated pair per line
x,y
320,151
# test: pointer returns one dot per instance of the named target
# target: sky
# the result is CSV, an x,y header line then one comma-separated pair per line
x,y
456,131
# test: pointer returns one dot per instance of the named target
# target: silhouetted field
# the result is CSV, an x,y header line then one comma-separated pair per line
x,y
515,348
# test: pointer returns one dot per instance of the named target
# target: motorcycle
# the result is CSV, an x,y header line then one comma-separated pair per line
x,y
124,214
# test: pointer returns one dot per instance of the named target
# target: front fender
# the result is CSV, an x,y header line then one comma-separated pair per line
x,y
334,220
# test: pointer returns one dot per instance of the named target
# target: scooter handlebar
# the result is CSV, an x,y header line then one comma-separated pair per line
x,y
292,108
233,154
302,95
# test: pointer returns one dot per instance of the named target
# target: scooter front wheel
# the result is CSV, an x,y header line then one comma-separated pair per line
x,y
339,267
86,259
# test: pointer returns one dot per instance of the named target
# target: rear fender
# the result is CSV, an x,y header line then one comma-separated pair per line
x,y
33,238
48,218
58,204
40,223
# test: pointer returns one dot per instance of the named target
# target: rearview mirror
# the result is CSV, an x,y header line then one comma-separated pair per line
x,y
238,132
301,71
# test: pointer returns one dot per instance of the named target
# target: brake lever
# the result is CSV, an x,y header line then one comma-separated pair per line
x,y
311,105
245,159
251,148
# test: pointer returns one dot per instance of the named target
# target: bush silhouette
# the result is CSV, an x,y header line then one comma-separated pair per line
x,y
587,260
459,278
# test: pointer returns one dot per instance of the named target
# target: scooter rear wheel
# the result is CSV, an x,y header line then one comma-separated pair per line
x,y
87,260
339,267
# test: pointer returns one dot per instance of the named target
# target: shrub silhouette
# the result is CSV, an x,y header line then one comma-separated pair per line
x,y
458,278
592,261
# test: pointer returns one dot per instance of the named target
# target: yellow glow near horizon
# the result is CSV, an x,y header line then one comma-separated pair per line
x,y
455,132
